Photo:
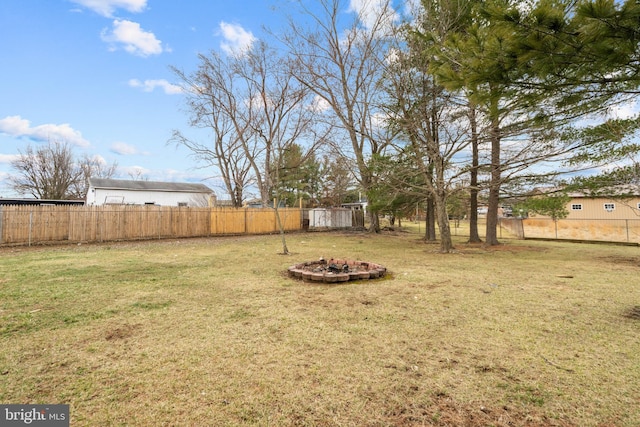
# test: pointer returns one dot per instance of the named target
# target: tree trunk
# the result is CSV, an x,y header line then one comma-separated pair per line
x,y
494,186
285,249
374,222
492,215
237,198
446,245
474,237
430,229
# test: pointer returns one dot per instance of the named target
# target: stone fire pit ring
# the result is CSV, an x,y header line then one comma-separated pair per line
x,y
336,270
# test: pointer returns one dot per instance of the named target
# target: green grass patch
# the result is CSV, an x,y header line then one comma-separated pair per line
x,y
213,332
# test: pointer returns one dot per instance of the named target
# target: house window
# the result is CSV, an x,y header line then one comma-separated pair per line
x,y
182,204
576,207
609,207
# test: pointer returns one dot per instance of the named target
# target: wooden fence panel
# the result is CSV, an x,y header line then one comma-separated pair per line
x,y
42,224
291,218
190,222
611,230
228,221
260,221
149,222
16,227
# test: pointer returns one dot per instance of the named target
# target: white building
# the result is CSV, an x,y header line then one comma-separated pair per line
x,y
124,192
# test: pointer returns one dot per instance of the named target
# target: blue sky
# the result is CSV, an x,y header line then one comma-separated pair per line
x,y
95,74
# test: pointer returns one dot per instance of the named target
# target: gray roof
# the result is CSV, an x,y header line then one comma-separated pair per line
x,y
123,184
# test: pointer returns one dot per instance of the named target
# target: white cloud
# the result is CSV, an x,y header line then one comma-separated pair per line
x,y
625,111
107,7
380,120
393,56
237,40
413,8
373,13
8,158
133,38
319,105
134,172
150,85
98,159
124,149
19,127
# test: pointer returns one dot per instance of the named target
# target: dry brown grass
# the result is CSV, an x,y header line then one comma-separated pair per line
x,y
212,332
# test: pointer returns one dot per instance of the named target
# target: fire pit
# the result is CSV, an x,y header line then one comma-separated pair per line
x,y
336,270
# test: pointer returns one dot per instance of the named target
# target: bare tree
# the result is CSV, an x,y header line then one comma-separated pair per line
x,y
281,117
280,114
137,174
213,106
437,137
258,111
342,64
433,121
47,172
92,167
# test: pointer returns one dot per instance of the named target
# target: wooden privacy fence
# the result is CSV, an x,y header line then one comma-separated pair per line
x,y
26,225
606,230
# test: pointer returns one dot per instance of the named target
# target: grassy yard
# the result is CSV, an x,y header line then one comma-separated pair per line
x,y
209,332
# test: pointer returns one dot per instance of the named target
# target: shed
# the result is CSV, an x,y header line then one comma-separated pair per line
x,y
104,191
330,218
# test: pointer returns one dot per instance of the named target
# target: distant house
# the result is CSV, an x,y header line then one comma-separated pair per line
x,y
623,202
124,192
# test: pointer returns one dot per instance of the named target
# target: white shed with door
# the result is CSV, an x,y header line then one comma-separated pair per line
x,y
126,192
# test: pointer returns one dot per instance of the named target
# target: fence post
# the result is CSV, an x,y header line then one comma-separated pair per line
x,y
1,220
69,224
626,223
30,224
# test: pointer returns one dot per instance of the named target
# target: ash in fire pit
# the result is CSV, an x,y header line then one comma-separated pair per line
x,y
336,270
